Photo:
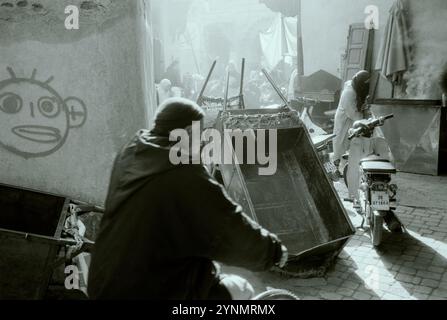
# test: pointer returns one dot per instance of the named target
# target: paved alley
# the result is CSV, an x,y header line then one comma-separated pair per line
x,y
408,266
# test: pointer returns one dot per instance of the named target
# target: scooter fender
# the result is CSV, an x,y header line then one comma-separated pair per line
x,y
380,213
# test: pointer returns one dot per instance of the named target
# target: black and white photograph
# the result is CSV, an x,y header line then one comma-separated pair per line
x,y
231,153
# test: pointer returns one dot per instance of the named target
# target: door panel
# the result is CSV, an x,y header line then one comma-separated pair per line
x,y
358,52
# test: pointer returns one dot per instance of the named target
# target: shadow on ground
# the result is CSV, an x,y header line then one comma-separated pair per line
x,y
340,282
416,266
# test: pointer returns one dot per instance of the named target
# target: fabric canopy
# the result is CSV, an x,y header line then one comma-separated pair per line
x,y
393,57
289,8
279,40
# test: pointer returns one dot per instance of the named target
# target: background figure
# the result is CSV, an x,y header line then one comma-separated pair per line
x,y
173,74
188,86
293,90
349,110
164,91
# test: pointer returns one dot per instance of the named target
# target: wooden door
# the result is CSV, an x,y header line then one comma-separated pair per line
x,y
359,50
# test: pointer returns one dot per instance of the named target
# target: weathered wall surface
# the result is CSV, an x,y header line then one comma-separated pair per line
x,y
428,36
69,99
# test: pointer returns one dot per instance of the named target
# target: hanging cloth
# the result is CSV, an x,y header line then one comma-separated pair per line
x,y
393,58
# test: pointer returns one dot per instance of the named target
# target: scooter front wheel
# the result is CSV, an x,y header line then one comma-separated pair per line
x,y
376,228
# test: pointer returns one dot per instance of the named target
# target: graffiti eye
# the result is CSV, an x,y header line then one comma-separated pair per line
x,y
48,107
10,103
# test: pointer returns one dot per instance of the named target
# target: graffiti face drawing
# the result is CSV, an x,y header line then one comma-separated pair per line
x,y
34,119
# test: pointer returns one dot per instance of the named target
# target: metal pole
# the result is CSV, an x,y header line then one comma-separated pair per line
x,y
299,38
241,93
275,87
226,91
299,51
205,84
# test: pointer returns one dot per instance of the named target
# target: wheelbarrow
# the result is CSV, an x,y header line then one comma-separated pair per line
x,y
299,202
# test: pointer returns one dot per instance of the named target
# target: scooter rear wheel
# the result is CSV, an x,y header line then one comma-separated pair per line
x,y
376,228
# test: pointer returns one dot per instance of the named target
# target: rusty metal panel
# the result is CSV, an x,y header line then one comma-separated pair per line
x,y
413,134
25,265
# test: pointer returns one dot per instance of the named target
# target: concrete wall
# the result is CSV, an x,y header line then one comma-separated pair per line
x,y
428,36
61,136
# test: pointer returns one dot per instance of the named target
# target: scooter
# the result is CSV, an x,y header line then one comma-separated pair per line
x,y
376,199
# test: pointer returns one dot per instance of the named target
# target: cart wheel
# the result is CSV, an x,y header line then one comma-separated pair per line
x,y
376,229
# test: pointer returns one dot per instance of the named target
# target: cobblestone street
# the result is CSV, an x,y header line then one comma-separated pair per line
x,y
408,266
